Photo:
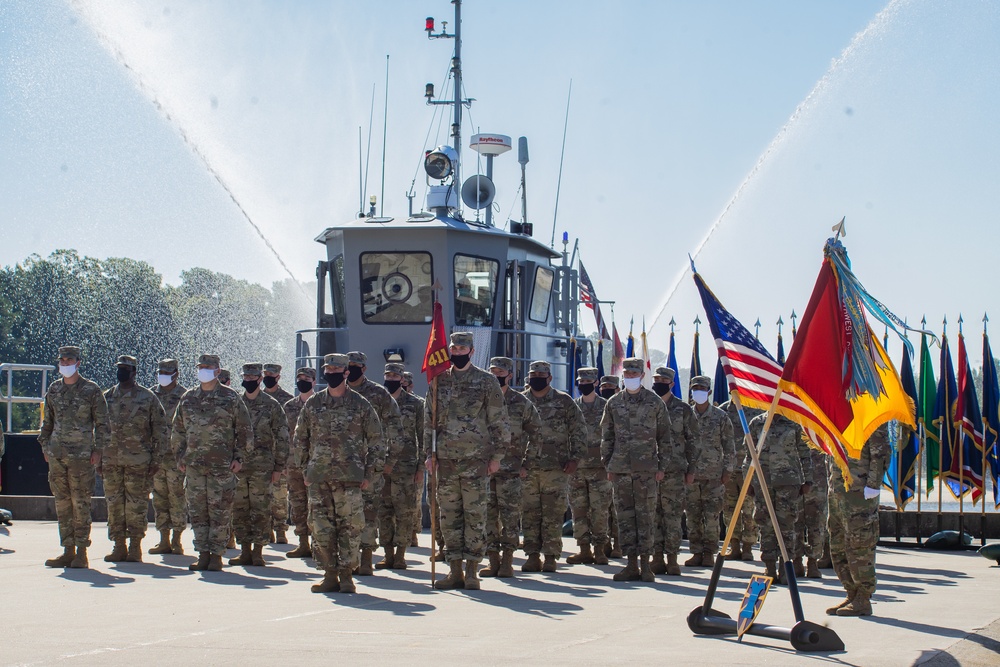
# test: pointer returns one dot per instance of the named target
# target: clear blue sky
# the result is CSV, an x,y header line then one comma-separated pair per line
x,y
673,104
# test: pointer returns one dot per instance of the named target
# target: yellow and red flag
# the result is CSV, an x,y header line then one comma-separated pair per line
x,y
436,358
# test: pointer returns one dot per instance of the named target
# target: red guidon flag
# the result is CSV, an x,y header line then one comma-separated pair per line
x,y
436,358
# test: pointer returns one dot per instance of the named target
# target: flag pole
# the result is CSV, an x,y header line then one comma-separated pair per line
x,y
921,442
433,480
982,516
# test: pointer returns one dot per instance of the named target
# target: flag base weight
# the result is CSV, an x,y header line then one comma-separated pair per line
x,y
804,636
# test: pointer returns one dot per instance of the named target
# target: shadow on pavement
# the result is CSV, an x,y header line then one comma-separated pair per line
x,y
95,578
371,602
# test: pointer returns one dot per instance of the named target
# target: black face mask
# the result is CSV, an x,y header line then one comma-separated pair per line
x,y
392,386
502,380
354,373
538,384
661,388
607,393
333,379
586,389
459,360
270,382
251,385
124,375
304,386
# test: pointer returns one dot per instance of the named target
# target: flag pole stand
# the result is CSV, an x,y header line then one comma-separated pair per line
x,y
704,620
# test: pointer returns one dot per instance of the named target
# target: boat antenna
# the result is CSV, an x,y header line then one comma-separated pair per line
x,y
361,179
562,154
368,154
385,119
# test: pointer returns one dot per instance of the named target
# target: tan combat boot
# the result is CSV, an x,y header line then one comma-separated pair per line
x,y
346,581
301,551
414,542
748,553
694,561
80,562
68,554
673,569
270,538
533,564
134,550
399,562
387,560
616,550
506,564
708,559
658,565
826,562
861,605
365,569
176,547
585,557
645,572
771,570
630,572
245,557
439,554
550,564
798,567
736,553
257,556
493,568
279,535
231,544
455,579
119,553
202,562
471,578
330,583
214,563
832,611
163,546
812,569
601,550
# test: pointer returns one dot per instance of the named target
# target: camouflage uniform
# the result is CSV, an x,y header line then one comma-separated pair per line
x,y
745,534
785,464
279,490
139,442
211,429
562,439
168,483
672,492
812,530
74,426
339,442
710,454
395,510
610,385
298,495
589,487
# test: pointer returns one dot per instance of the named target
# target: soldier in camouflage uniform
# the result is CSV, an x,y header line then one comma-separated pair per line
x,y
635,446
745,533
812,532
211,433
339,441
262,467
589,488
671,493
73,434
395,511
168,482
139,441
224,376
503,510
854,523
279,502
418,514
785,465
711,458
472,431
611,385
298,495
391,423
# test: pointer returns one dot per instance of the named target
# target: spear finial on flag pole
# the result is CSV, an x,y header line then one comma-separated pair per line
x,y
794,317
986,319
780,322
840,229
944,326
697,321
756,326
672,324
960,320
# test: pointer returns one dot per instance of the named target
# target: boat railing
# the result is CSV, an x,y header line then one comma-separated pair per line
x,y
303,357
7,388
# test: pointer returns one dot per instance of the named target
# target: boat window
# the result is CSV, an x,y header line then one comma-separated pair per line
x,y
475,285
540,294
396,287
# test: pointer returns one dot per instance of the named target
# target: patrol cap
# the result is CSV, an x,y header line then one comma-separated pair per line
x,y
586,374
210,360
505,363
167,366
306,370
224,375
701,381
461,338
610,379
127,360
335,360
359,358
253,368
395,367
665,372
272,368
540,367
634,364
70,351
407,377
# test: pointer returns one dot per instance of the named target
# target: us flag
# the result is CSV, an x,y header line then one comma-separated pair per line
x,y
589,298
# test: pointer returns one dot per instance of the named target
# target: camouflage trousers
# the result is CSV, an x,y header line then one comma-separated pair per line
x,y
279,503
853,536
461,496
336,519
418,510
745,532
168,497
126,488
589,496
812,531
298,501
395,510
635,503
670,500
787,509
704,504
503,512
372,498
72,484
252,507
543,506
209,493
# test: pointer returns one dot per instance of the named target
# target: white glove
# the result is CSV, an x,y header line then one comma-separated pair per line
x,y
871,493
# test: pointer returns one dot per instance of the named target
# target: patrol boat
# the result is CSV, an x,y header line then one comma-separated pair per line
x,y
381,275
